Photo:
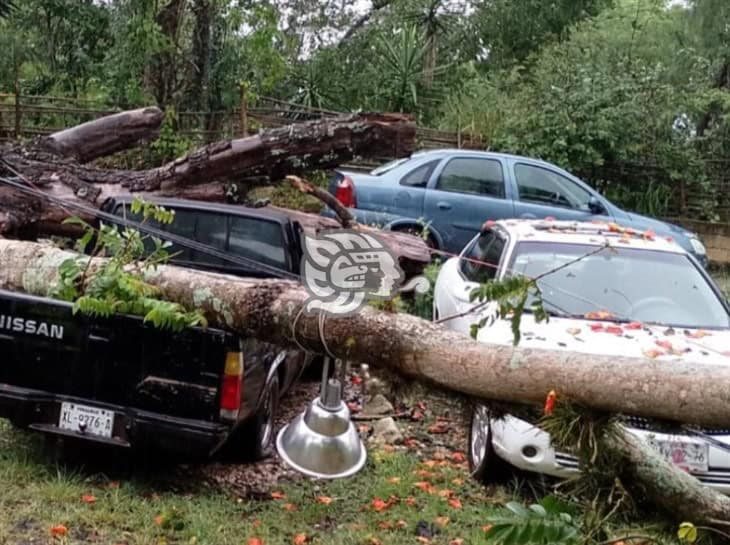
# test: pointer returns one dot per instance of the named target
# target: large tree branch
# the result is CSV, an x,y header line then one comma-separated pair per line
x,y
106,136
272,311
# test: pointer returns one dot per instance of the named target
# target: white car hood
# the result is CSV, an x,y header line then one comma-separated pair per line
x,y
619,339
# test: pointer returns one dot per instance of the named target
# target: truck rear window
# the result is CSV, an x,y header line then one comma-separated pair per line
x,y
258,239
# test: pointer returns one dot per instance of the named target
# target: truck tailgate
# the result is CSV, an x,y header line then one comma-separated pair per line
x,y
120,360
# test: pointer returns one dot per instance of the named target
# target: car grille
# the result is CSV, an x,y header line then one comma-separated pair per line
x,y
647,424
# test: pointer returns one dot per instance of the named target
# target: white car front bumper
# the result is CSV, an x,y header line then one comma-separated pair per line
x,y
527,447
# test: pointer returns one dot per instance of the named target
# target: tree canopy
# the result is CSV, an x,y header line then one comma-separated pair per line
x,y
588,84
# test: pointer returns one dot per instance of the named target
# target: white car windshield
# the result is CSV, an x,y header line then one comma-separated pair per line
x,y
621,284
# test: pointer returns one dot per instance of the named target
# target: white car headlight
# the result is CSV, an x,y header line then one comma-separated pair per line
x,y
697,245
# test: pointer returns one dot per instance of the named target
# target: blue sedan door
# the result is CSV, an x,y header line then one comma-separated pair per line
x,y
543,192
464,193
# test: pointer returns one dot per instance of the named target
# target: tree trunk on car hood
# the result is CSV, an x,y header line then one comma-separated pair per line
x,y
272,311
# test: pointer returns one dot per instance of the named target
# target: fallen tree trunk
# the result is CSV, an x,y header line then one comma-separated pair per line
x,y
105,136
271,154
52,166
650,476
272,311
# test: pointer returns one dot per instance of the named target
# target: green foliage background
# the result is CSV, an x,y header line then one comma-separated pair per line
x,y
593,85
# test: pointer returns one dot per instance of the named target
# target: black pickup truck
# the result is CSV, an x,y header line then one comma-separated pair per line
x,y
122,382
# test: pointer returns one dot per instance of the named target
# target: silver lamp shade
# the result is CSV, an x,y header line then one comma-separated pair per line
x,y
322,441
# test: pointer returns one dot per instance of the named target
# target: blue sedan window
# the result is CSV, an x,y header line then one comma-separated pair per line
x,y
418,177
542,186
472,175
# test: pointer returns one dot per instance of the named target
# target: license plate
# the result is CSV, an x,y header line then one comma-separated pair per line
x,y
692,456
85,419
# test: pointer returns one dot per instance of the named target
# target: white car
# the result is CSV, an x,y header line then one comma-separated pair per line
x,y
640,296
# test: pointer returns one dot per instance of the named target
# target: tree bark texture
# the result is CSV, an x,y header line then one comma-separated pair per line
x,y
681,391
270,310
105,136
649,475
273,154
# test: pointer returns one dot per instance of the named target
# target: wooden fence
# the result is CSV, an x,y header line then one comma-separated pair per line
x,y
28,116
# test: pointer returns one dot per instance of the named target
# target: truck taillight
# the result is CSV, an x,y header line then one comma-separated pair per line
x,y
231,386
345,192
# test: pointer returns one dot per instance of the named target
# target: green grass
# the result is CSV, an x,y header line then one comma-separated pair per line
x,y
37,494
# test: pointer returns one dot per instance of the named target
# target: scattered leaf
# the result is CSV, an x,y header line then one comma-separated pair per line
x,y
354,406
388,448
550,403
254,541
697,334
113,484
596,327
486,527
687,532
633,325
394,480
256,523
88,498
386,525
458,457
300,539
573,331
410,442
615,329
456,541
430,463
425,486
455,503
649,234
372,540
441,522
379,505
289,507
445,493
401,524
159,520
599,315
666,345
652,353
59,530
410,501
423,539
457,481
277,495
416,416
438,428
324,500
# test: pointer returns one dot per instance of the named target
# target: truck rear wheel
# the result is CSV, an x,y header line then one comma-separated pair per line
x,y
256,437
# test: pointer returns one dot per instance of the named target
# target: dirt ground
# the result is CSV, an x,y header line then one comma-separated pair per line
x,y
433,424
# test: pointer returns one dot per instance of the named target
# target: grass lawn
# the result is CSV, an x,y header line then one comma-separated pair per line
x,y
382,504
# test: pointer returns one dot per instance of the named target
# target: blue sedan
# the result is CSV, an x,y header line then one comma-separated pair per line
x,y
453,192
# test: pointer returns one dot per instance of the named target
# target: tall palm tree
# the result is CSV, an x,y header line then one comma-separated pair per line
x,y
427,18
